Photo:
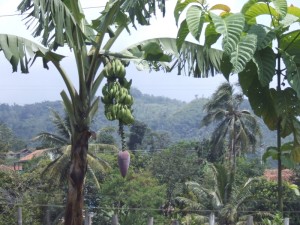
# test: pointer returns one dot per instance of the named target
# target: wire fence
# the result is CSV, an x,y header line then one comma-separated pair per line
x,y
52,214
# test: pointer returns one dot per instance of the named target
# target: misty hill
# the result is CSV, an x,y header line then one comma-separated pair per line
x,y
180,119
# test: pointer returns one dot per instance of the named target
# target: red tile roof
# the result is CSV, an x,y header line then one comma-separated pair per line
x,y
32,155
272,174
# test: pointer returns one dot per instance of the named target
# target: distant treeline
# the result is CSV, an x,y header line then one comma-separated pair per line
x,y
180,119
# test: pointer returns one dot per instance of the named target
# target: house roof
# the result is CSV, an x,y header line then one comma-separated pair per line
x,y
272,174
32,155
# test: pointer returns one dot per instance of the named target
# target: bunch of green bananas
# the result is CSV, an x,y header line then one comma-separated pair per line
x,y
114,69
116,93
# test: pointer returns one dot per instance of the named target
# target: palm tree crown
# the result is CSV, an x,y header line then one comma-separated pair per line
x,y
59,144
218,192
237,128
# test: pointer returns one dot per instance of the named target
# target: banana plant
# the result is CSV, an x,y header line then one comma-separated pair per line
x,y
63,23
258,52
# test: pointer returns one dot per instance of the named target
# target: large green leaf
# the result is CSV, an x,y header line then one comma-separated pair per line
x,y
180,7
248,5
231,28
293,10
281,7
265,61
290,43
193,59
195,18
20,51
93,110
259,96
141,10
220,7
154,52
54,21
69,109
119,18
226,66
286,150
182,34
211,36
296,150
292,72
243,53
287,107
265,36
288,20
259,9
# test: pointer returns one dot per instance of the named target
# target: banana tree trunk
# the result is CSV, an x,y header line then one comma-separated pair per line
x,y
78,168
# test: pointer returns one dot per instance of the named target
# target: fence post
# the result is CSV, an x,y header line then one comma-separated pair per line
x,y
150,221
212,219
87,218
114,220
286,221
19,215
250,220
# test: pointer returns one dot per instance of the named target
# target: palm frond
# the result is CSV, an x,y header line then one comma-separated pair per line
x,y
213,116
244,193
97,164
89,169
23,52
162,53
142,10
54,21
50,139
221,98
62,125
58,169
190,205
219,134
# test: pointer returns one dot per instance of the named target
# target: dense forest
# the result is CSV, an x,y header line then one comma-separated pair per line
x,y
180,120
155,186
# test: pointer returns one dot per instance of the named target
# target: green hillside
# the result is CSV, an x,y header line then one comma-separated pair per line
x,y
180,119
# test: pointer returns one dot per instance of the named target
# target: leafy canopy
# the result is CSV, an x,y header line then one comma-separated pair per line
x,y
258,50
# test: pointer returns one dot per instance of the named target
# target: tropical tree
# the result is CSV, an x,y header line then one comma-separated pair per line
x,y
131,198
237,128
63,23
136,135
174,166
106,135
58,145
8,140
62,136
258,50
218,193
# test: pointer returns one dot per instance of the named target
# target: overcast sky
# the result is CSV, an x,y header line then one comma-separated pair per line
x,y
45,85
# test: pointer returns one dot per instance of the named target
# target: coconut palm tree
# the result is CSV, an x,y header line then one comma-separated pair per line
x,y
59,145
61,23
237,128
218,193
